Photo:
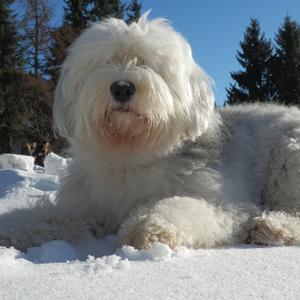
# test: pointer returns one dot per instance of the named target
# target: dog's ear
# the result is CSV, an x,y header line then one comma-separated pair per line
x,y
63,109
203,99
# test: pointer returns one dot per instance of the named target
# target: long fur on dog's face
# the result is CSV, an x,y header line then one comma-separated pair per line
x,y
172,102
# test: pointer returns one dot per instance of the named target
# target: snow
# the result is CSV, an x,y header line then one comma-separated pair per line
x,y
97,269
51,252
14,161
55,165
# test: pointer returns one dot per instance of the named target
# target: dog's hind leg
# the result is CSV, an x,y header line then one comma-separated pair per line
x,y
282,189
280,223
275,229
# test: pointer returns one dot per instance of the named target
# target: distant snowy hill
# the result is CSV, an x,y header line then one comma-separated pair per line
x,y
96,269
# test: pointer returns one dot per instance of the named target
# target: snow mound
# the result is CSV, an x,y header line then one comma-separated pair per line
x,y
51,252
9,256
106,263
55,164
16,161
102,252
157,252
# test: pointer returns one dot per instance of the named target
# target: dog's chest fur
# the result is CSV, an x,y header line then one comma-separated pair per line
x,y
118,190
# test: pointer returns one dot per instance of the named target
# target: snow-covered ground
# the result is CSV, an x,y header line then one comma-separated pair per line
x,y
96,269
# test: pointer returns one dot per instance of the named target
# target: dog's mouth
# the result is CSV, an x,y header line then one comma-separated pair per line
x,y
120,114
125,128
122,109
124,125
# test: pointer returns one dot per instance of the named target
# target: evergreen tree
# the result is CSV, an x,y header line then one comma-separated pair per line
x,y
79,13
10,59
133,11
76,13
102,9
9,39
253,83
286,67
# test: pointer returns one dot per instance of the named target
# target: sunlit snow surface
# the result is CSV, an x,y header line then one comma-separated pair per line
x,y
97,269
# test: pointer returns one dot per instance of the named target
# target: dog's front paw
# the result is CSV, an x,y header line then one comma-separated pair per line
x,y
273,230
145,233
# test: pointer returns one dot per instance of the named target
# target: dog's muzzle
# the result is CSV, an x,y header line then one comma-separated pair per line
x,y
122,91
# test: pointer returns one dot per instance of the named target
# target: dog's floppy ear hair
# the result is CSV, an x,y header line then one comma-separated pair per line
x,y
63,114
203,99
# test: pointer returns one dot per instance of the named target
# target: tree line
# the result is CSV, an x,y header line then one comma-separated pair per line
x,y
31,52
270,72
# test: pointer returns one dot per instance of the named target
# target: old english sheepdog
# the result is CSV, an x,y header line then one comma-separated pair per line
x,y
154,161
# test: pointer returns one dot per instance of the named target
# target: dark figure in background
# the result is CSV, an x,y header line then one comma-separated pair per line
x,y
33,147
41,153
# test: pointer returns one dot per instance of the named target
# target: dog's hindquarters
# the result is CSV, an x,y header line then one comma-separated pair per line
x,y
280,223
282,189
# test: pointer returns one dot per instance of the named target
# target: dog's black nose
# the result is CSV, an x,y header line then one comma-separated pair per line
x,y
122,90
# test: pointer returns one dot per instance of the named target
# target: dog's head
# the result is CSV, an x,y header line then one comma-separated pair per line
x,y
132,89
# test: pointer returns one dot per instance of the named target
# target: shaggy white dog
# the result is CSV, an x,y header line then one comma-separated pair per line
x,y
153,160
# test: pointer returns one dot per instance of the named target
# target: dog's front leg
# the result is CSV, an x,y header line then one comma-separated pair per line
x,y
181,221
28,227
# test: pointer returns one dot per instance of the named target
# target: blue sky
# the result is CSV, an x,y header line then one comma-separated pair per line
x,y
214,28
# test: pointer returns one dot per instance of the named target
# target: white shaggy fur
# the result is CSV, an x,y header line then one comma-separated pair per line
x,y
165,166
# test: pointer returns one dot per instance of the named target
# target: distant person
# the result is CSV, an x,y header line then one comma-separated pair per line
x,y
33,147
26,149
41,153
